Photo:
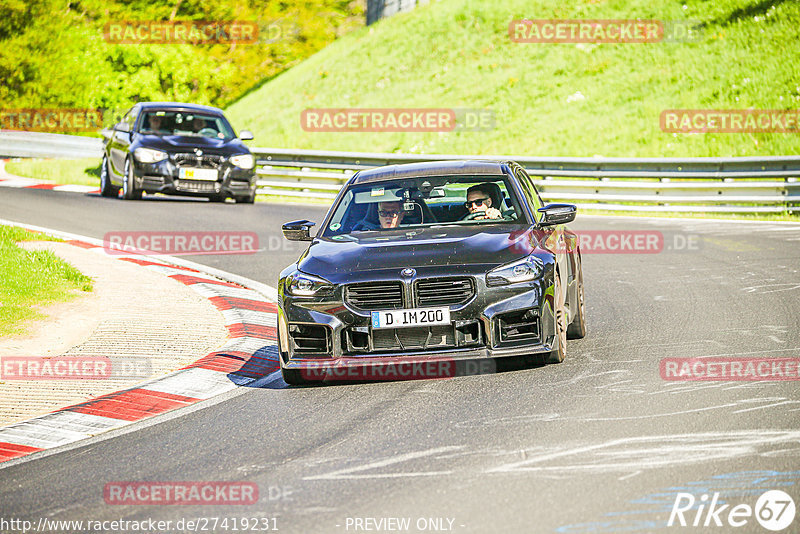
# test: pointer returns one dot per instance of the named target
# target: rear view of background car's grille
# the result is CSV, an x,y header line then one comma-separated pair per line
x,y
193,160
443,291
375,295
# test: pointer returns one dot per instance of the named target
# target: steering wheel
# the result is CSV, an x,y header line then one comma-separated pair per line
x,y
509,214
473,216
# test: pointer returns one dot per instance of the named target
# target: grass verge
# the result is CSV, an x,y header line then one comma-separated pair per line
x,y
32,278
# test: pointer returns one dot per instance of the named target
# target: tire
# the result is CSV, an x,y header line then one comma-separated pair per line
x,y
294,377
577,328
560,316
248,199
129,191
107,189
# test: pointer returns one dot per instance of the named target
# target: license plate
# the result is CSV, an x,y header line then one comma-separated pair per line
x,y
189,173
413,317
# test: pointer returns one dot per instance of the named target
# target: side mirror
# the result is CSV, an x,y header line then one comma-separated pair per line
x,y
246,135
298,230
122,127
554,214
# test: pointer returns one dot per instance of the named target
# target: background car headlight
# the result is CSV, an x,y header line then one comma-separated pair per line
x,y
522,270
244,161
305,285
148,155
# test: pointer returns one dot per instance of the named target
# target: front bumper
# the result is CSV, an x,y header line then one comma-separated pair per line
x,y
163,177
316,333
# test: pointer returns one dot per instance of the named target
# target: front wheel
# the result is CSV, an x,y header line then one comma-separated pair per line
x,y
560,316
129,191
107,189
577,328
247,199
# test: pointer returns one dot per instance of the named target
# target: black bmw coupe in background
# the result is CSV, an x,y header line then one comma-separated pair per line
x,y
177,149
430,263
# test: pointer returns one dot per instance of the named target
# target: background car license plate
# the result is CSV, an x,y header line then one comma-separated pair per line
x,y
413,317
189,173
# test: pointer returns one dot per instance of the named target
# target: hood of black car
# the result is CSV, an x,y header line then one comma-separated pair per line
x,y
338,259
181,143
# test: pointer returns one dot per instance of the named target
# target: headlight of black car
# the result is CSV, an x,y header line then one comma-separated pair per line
x,y
149,155
523,270
244,161
305,285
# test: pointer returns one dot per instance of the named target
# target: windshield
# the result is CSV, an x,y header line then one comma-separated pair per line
x,y
185,124
425,201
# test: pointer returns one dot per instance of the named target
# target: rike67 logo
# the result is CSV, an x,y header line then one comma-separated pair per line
x,y
774,510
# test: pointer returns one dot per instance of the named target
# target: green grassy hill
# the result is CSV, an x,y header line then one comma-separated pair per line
x,y
458,54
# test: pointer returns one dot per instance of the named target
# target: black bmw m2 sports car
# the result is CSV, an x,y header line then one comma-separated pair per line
x,y
178,149
427,264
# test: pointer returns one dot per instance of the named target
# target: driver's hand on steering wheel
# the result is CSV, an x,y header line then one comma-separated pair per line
x,y
491,213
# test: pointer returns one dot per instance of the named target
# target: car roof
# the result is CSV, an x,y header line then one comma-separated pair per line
x,y
179,106
430,168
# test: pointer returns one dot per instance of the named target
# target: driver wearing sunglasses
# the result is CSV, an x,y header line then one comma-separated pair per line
x,y
479,199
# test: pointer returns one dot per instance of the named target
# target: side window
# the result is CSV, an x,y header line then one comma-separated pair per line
x,y
130,118
530,192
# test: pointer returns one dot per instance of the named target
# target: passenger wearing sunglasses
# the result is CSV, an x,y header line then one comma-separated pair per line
x,y
479,199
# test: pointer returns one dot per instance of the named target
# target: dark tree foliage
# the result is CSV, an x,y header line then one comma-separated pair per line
x,y
53,53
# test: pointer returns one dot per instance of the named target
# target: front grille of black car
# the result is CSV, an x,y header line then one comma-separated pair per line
x,y
363,340
427,292
413,338
443,291
207,161
375,295
195,186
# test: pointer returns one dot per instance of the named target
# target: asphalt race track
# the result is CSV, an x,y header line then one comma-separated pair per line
x,y
599,443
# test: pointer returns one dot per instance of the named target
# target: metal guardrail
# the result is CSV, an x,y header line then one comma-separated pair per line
x,y
735,185
766,184
45,145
